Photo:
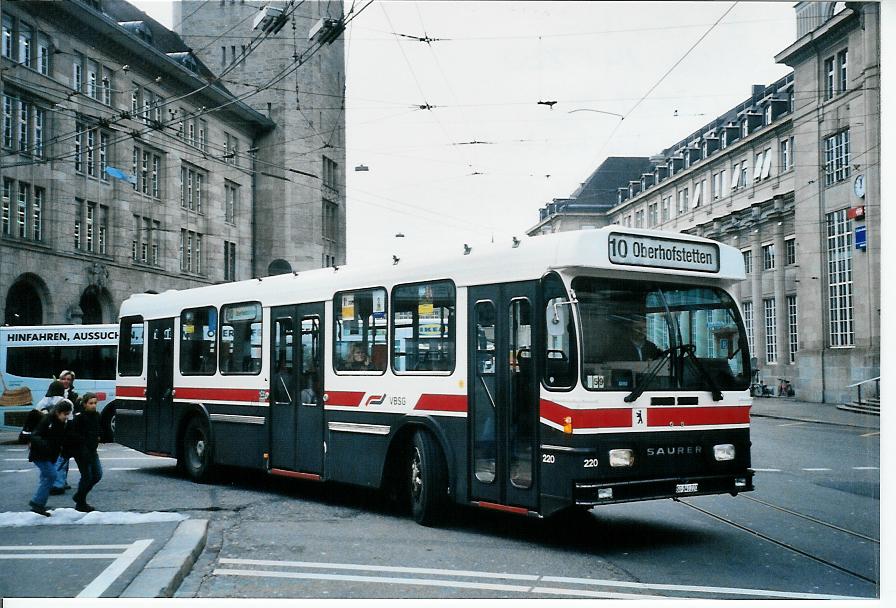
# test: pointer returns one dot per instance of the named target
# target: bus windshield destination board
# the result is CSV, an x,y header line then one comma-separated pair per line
x,y
637,250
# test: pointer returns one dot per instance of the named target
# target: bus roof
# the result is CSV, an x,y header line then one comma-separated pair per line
x,y
612,248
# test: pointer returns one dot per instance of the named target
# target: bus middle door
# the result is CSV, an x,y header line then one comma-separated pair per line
x,y
160,386
310,431
503,394
284,388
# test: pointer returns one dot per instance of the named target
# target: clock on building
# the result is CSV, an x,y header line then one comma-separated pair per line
x,y
859,186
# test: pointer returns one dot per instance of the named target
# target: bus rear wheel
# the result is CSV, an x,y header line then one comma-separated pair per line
x,y
107,423
197,450
428,480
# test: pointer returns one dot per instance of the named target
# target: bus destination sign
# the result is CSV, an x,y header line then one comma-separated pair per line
x,y
657,252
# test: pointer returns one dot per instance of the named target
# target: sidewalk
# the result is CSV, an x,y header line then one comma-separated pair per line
x,y
805,411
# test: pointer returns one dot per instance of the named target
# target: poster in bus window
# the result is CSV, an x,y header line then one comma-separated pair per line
x,y
379,304
348,306
255,334
137,334
226,333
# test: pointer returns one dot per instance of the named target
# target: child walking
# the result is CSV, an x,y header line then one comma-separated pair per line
x,y
46,445
83,437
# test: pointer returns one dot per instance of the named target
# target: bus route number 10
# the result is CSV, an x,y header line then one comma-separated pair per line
x,y
618,248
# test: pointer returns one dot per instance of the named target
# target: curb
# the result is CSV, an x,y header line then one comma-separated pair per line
x,y
167,569
813,420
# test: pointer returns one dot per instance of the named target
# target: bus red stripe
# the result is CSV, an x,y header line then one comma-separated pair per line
x,y
129,391
344,398
217,394
506,508
694,416
442,403
596,418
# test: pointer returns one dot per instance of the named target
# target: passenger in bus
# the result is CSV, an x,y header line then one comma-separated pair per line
x,y
634,345
46,445
358,360
67,377
310,392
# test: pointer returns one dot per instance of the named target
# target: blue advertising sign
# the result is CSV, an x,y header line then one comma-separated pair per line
x,y
861,238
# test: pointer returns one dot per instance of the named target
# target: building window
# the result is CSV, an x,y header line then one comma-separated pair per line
x,y
748,325
735,175
682,201
771,339
91,146
699,193
104,156
43,54
667,204
790,251
37,214
329,211
22,211
829,78
843,81
792,337
723,185
330,177
24,131
768,256
25,38
191,251
836,158
229,261
76,232
785,158
6,207
748,261
191,188
8,137
203,140
716,186
639,218
231,201
652,216
839,239
7,37
743,174
90,218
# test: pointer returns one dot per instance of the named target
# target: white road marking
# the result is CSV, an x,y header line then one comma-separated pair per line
x,y
866,468
123,469
493,586
59,547
404,569
767,470
792,424
817,469
107,458
114,570
16,470
62,556
871,434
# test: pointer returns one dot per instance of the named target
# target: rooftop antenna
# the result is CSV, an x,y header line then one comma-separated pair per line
x,y
467,249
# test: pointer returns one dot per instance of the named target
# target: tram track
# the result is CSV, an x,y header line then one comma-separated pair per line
x,y
779,543
813,519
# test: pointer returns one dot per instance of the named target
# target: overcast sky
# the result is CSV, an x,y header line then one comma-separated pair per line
x,y
490,65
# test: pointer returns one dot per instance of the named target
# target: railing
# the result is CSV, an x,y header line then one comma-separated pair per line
x,y
858,387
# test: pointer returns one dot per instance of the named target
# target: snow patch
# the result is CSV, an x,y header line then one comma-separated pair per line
x,y
71,516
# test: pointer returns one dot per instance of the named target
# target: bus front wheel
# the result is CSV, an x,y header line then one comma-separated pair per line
x,y
428,480
197,450
107,423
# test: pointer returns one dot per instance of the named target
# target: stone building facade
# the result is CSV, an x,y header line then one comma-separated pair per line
x,y
791,177
128,166
300,222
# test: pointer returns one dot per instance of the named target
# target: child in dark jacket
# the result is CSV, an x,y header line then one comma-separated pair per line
x,y
46,445
82,439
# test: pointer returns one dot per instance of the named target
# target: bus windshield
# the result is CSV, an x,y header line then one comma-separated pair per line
x,y
644,335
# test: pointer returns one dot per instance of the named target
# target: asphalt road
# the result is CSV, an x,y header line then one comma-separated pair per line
x,y
809,531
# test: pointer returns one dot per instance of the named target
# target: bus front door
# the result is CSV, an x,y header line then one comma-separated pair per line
x,y
160,386
310,431
297,413
503,395
284,388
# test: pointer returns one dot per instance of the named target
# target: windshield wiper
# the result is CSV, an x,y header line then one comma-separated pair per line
x,y
713,385
651,374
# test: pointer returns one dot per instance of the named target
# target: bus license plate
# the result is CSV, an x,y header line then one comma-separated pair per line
x,y
684,488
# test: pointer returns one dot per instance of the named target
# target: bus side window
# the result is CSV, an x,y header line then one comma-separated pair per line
x,y
198,333
130,347
241,338
560,338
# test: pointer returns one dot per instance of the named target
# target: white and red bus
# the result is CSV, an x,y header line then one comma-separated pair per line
x,y
568,370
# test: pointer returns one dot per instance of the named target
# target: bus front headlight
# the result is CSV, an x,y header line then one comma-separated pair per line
x,y
622,458
723,451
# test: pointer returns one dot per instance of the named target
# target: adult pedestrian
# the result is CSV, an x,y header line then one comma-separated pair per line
x,y
53,396
67,378
82,439
46,445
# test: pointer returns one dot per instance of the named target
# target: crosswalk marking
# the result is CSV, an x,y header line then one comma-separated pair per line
x,y
537,583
